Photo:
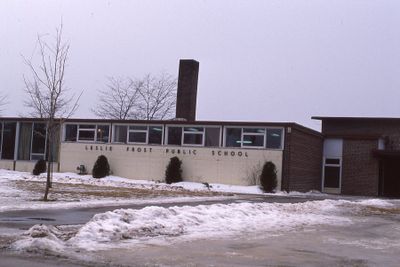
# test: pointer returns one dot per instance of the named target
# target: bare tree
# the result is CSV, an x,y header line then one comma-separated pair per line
x,y
149,98
118,101
157,97
47,92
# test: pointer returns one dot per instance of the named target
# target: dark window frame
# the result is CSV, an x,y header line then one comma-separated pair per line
x,y
34,155
250,132
332,165
147,131
187,132
87,129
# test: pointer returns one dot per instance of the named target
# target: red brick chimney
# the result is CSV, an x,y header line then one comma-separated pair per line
x,y
187,89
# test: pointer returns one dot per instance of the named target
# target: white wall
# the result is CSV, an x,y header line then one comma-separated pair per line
x,y
7,164
212,165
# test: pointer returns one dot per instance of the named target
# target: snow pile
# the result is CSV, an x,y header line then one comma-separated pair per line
x,y
378,203
41,238
159,225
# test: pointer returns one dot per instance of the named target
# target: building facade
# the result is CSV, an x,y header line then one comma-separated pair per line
x,y
213,152
361,156
355,156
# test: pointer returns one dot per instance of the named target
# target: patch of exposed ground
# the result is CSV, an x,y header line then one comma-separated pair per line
x,y
74,192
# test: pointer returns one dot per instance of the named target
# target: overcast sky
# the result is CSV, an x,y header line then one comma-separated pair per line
x,y
259,60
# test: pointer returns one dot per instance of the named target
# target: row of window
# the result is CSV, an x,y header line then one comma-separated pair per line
x,y
210,136
30,143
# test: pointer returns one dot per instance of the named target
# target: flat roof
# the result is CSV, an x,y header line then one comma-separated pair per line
x,y
172,121
356,118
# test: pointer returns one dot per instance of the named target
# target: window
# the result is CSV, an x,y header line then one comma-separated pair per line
x,y
212,137
137,134
233,137
253,137
174,136
87,133
274,138
71,131
103,133
155,135
120,133
38,141
8,145
193,136
332,173
32,141
24,143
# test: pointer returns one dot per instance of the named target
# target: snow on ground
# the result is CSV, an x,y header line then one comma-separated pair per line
x,y
14,197
157,225
22,190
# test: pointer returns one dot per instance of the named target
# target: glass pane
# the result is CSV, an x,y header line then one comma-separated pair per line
x,y
120,133
192,139
254,130
137,137
332,161
212,137
86,135
24,144
274,138
39,138
193,129
103,133
37,156
87,126
253,140
174,136
70,132
233,137
141,128
332,177
9,132
155,135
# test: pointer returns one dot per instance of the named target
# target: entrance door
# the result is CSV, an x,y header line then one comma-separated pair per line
x,y
332,175
390,177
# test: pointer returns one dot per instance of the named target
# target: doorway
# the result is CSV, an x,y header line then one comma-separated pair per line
x,y
390,177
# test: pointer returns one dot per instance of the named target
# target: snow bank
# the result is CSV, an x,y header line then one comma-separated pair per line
x,y
41,238
124,227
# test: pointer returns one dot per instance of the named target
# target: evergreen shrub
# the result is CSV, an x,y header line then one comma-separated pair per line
x,y
268,179
101,167
173,173
40,167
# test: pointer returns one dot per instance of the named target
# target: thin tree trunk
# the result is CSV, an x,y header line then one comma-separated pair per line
x,y
49,163
46,192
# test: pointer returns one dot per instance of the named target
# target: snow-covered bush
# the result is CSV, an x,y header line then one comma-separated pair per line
x,y
40,167
173,173
268,177
101,167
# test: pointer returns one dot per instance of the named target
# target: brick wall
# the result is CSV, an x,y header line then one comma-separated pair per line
x,y
360,170
302,160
